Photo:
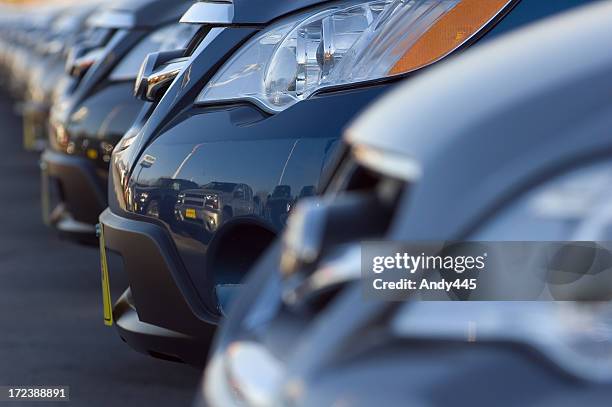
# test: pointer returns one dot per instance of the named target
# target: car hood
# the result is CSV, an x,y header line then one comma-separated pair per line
x,y
151,13
264,11
205,191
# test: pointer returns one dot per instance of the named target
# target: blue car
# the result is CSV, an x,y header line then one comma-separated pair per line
x,y
207,176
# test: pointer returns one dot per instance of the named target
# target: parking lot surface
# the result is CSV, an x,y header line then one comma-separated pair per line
x,y
51,330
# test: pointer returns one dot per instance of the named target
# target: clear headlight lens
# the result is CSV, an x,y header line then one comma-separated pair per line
x,y
573,206
349,42
167,38
577,337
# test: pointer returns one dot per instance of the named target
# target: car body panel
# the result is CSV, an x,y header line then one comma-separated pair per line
x,y
280,167
264,11
103,116
217,44
146,13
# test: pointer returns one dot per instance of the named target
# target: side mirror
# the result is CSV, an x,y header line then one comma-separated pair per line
x,y
157,72
317,226
81,58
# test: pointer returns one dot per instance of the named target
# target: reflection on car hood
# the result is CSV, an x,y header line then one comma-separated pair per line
x,y
150,13
264,11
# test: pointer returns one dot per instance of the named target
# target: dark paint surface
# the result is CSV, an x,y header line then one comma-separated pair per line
x,y
99,122
152,13
263,11
211,170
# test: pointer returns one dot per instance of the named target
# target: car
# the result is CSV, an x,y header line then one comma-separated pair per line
x,y
526,158
34,41
246,109
93,111
69,29
213,204
26,39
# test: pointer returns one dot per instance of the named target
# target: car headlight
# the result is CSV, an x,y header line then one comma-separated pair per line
x,y
167,38
574,206
575,336
346,43
246,375
211,201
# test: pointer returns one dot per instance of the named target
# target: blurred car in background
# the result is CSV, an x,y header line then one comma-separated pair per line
x,y
519,150
261,102
88,119
35,43
24,41
46,77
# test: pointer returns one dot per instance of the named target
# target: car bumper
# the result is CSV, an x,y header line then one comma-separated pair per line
x,y
153,340
35,119
73,194
160,315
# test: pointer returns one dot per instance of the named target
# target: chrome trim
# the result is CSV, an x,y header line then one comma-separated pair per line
x,y
68,224
80,60
209,13
163,77
303,236
216,388
341,266
244,374
112,19
256,375
388,163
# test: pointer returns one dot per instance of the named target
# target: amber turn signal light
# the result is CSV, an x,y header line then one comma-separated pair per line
x,y
449,33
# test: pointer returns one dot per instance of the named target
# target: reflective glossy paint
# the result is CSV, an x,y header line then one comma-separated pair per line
x,y
98,124
216,168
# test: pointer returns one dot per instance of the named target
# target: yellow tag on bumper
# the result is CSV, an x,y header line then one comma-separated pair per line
x,y
107,306
92,154
190,213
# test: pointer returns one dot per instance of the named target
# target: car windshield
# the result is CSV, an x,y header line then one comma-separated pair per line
x,y
220,186
282,191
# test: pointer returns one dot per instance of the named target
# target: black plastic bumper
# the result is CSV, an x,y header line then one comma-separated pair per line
x,y
159,315
73,194
153,340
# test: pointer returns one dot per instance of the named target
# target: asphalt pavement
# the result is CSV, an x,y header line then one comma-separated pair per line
x,y
51,330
